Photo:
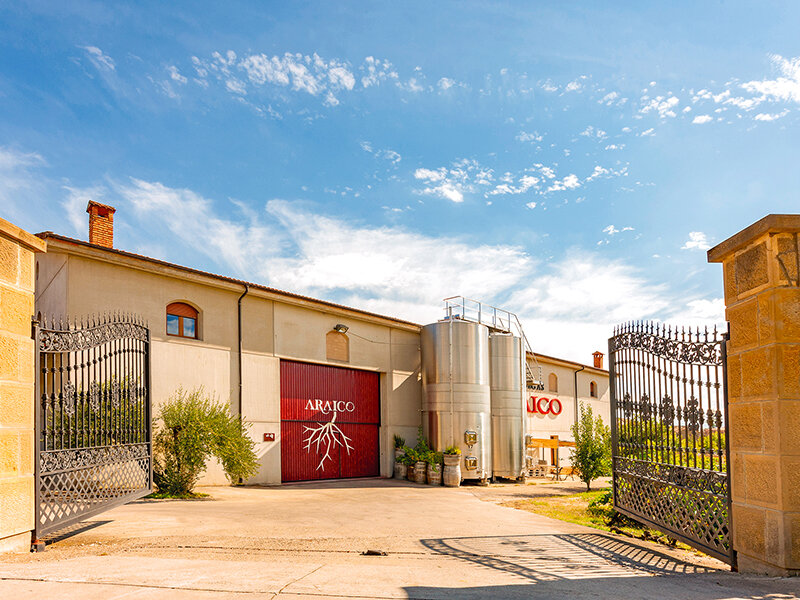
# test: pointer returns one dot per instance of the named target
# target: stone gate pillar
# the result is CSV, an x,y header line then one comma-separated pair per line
x,y
17,248
762,298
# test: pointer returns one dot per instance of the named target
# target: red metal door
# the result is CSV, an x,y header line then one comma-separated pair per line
x,y
330,418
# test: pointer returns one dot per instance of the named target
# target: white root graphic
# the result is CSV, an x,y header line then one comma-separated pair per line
x,y
327,434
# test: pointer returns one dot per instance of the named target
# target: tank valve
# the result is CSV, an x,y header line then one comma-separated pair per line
x,y
470,438
471,462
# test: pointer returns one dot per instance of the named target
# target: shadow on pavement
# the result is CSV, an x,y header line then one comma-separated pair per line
x,y
591,565
68,532
547,557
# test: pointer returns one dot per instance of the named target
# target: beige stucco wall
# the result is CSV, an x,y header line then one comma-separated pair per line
x,y
17,249
100,282
543,426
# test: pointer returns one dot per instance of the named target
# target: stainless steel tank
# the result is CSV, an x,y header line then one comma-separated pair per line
x,y
507,383
456,404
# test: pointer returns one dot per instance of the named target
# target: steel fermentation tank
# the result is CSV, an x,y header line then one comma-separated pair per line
x,y
507,383
457,403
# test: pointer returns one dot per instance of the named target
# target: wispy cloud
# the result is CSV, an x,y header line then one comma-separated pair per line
x,y
99,59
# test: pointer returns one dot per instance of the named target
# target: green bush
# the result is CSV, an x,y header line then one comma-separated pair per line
x,y
410,456
399,442
190,428
592,453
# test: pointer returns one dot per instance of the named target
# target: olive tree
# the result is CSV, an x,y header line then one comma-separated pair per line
x,y
591,456
189,429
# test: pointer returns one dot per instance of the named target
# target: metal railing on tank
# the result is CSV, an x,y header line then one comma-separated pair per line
x,y
475,311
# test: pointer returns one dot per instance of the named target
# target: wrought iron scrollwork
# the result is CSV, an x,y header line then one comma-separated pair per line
x,y
670,462
675,346
93,417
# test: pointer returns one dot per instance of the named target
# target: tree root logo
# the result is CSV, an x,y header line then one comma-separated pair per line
x,y
326,436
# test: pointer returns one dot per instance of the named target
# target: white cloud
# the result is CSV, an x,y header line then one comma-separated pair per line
x,y
592,132
445,83
430,174
306,73
175,74
611,230
573,86
100,59
615,147
697,241
771,117
663,106
412,85
608,99
448,191
524,136
700,119
648,132
570,182
376,71
785,88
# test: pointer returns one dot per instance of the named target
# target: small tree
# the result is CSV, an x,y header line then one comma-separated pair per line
x,y
592,453
190,428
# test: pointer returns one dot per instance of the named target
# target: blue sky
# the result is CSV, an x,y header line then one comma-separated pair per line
x,y
570,162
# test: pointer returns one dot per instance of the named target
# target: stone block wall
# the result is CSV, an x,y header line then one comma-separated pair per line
x,y
762,298
17,248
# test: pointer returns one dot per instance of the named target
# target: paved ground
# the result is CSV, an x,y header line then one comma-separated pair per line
x,y
305,541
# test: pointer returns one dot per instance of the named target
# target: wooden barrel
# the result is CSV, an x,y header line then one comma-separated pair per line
x,y
434,474
452,470
419,471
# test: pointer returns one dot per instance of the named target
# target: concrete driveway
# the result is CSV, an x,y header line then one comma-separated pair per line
x,y
306,541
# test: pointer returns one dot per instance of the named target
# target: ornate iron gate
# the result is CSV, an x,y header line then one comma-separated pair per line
x,y
92,418
669,423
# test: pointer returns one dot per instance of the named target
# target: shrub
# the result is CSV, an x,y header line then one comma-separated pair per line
x,y
591,456
434,459
190,428
452,450
422,444
399,442
410,456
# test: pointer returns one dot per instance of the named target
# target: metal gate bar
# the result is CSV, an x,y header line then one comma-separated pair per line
x,y
669,413
94,446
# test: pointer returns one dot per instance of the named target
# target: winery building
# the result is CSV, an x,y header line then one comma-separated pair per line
x,y
284,361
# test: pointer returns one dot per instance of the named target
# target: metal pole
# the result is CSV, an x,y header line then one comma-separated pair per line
x,y
36,544
724,356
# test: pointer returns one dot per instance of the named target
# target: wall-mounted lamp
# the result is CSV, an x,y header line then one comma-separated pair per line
x,y
340,328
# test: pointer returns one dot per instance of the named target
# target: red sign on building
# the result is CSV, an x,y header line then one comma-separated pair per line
x,y
544,406
330,417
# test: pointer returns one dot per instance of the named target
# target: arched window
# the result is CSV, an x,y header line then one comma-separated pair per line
x,y
181,320
552,383
593,389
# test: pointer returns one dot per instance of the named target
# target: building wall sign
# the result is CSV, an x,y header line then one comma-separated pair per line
x,y
544,406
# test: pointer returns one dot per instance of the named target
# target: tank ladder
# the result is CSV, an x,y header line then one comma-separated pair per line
x,y
497,319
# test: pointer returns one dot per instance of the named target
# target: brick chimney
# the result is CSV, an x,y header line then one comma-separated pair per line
x,y
598,359
101,224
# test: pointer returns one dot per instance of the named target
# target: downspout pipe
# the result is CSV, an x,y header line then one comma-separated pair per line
x,y
575,389
239,307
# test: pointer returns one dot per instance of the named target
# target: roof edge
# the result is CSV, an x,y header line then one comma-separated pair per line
x,y
63,242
